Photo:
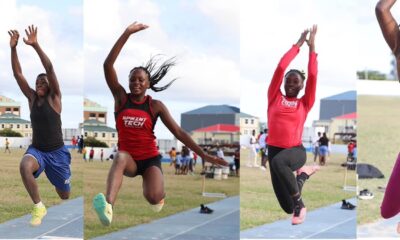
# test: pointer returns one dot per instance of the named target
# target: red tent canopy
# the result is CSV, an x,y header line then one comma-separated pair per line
x,y
348,116
219,128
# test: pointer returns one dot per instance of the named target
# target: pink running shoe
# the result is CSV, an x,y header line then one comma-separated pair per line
x,y
299,215
309,170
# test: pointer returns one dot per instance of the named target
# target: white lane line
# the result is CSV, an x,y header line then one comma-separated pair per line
x,y
328,228
62,225
202,224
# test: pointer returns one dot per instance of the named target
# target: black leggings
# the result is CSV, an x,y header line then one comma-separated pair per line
x,y
282,163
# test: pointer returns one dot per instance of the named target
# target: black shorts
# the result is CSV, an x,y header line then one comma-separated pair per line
x,y
143,165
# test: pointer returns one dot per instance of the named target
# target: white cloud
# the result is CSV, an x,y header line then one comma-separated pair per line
x,y
269,28
204,78
224,13
66,56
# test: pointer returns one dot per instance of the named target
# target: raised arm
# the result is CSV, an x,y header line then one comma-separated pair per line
x,y
31,39
311,84
274,86
388,24
16,66
110,74
182,136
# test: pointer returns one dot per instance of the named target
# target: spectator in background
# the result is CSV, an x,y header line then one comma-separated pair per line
x,y
237,161
185,158
253,151
350,149
323,149
172,156
91,155
262,141
178,165
84,154
220,153
81,144
101,155
7,143
73,142
316,146
190,165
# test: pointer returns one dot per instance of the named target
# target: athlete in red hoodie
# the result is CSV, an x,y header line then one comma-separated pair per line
x,y
286,117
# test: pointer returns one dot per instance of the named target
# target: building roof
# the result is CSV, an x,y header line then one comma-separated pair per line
x,y
90,128
349,95
93,122
12,118
245,115
215,109
91,106
347,116
8,102
219,128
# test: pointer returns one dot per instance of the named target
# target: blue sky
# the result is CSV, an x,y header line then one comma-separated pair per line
x,y
348,39
206,46
60,35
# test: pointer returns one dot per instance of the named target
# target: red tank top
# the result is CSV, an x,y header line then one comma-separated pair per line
x,y
135,125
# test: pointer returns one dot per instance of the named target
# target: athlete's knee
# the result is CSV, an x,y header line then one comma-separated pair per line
x,y
121,159
26,166
276,164
63,195
154,197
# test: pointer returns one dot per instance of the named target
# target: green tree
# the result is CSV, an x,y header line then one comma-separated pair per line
x,y
93,142
7,132
371,75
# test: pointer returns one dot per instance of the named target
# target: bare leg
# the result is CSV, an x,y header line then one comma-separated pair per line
x,y
123,164
153,185
63,194
27,167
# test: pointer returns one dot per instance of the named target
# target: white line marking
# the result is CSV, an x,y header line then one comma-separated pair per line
x,y
60,238
328,228
62,225
204,223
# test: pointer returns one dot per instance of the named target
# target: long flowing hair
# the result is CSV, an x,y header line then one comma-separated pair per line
x,y
156,71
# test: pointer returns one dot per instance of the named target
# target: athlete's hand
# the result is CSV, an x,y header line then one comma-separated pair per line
x,y
31,36
311,39
14,36
136,27
215,160
303,38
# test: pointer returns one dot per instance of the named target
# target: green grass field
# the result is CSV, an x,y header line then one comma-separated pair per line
x,y
258,204
131,208
378,144
14,199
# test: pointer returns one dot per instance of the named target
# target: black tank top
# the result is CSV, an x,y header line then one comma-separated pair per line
x,y
46,126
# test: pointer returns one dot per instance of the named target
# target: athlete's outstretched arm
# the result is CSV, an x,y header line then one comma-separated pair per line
x,y
110,74
274,86
182,136
16,66
311,84
388,24
31,39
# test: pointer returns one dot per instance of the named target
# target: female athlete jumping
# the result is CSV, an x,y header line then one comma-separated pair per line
x,y
286,117
136,114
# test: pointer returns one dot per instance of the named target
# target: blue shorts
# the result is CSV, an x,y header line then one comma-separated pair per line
x,y
185,161
55,164
323,150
